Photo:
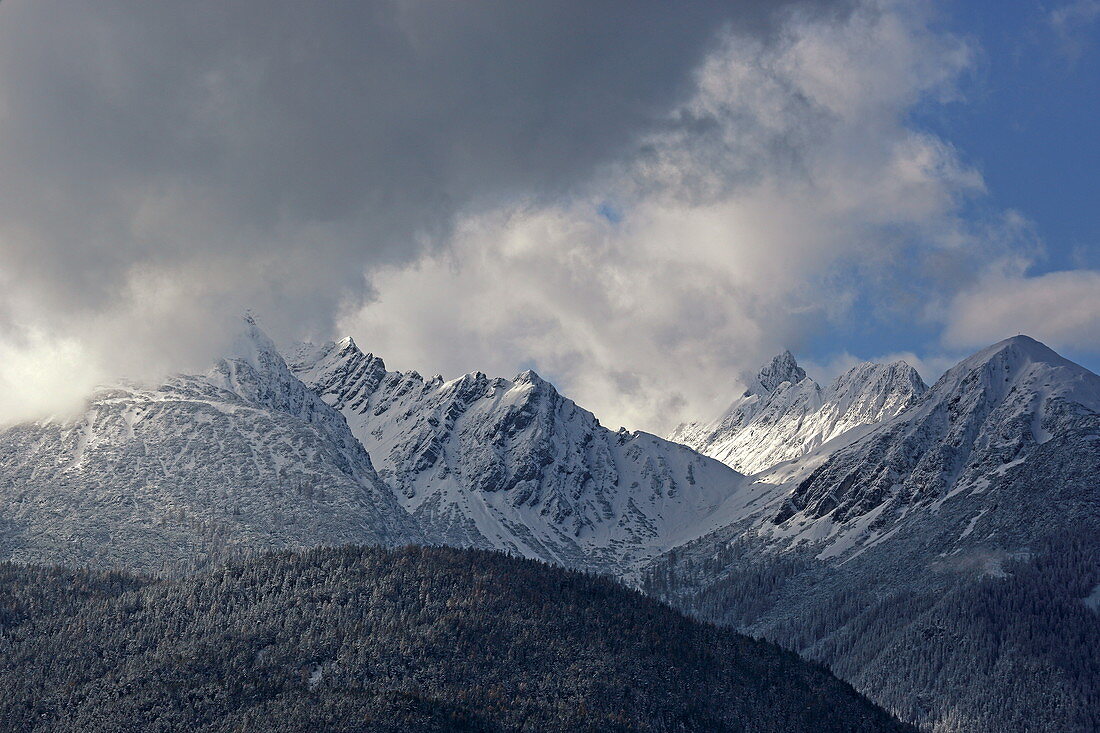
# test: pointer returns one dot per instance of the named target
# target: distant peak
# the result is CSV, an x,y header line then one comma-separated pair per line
x,y
782,368
1003,362
902,365
249,341
346,344
1019,346
529,376
1024,338
897,376
306,356
904,370
1022,341
874,367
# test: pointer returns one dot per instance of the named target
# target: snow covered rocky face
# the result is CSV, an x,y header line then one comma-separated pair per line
x,y
783,414
511,464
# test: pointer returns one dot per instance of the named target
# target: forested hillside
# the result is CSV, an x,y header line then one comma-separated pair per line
x,y
415,639
1018,650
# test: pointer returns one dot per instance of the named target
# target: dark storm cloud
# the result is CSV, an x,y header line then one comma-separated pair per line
x,y
270,139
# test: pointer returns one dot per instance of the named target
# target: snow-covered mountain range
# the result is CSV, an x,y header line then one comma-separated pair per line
x,y
981,420
259,452
851,482
941,559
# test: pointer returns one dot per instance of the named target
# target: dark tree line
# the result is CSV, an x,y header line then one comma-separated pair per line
x,y
370,639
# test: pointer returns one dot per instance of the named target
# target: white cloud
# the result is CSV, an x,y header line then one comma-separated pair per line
x,y
1061,309
1071,23
41,374
789,187
784,191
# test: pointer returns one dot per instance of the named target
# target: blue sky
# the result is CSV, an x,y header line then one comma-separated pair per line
x,y
1028,119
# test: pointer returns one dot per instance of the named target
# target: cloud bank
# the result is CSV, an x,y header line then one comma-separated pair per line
x,y
1061,309
784,196
163,165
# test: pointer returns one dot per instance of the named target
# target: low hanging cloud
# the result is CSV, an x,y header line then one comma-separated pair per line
x,y
164,166
787,194
1061,309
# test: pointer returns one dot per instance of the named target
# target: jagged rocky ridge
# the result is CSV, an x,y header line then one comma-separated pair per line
x,y
982,418
784,414
191,471
513,465
981,422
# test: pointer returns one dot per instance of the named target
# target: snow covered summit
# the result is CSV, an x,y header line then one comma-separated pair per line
x,y
784,414
942,555
982,418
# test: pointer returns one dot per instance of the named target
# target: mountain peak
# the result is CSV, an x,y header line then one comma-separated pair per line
x,y
782,368
989,412
1019,345
771,423
884,378
1020,363
528,376
251,345
1013,355
305,359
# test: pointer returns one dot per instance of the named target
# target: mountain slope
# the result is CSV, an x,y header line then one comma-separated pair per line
x,y
417,639
513,465
940,560
982,419
178,475
784,414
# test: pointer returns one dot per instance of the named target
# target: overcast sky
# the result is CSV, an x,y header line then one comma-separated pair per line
x,y
640,200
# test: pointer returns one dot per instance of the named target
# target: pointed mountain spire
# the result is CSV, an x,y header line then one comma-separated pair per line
x,y
782,368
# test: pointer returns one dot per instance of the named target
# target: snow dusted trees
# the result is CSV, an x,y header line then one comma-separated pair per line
x,y
416,639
